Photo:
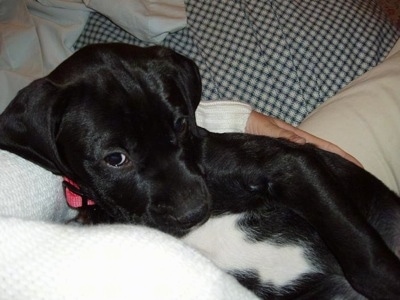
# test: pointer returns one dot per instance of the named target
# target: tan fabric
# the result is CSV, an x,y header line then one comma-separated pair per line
x,y
364,120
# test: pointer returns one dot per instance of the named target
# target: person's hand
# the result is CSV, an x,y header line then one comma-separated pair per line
x,y
264,125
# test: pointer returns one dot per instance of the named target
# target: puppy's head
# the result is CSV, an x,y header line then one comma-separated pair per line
x,y
119,121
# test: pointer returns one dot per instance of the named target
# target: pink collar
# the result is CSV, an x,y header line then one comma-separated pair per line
x,y
75,198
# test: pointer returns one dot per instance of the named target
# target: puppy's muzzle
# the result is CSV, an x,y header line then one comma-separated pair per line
x,y
181,208
186,217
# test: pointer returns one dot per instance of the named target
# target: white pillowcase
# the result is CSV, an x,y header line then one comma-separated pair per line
x,y
148,20
364,120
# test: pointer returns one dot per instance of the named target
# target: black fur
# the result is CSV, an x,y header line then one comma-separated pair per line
x,y
113,101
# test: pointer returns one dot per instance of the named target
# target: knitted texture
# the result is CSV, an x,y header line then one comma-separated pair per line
x,y
50,261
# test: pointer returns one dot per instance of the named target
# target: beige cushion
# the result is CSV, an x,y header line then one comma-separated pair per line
x,y
364,120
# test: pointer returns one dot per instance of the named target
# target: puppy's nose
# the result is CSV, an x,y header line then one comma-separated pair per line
x,y
193,217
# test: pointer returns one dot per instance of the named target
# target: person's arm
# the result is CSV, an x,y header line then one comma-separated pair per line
x,y
232,116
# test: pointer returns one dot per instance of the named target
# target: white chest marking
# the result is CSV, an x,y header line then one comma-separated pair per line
x,y
224,243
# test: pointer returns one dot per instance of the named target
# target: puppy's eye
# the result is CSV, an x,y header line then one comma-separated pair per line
x,y
181,125
116,159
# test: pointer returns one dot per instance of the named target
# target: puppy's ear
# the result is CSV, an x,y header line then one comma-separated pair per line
x,y
28,126
189,83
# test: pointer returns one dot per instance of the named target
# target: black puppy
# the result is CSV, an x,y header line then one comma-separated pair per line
x,y
288,221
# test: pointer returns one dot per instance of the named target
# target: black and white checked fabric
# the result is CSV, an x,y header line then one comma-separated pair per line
x,y
284,57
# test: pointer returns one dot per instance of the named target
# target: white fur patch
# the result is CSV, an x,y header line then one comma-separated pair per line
x,y
224,243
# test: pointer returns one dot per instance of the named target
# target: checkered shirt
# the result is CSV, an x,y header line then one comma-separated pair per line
x,y
283,57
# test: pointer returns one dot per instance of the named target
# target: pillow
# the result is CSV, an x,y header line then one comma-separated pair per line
x,y
364,120
147,20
